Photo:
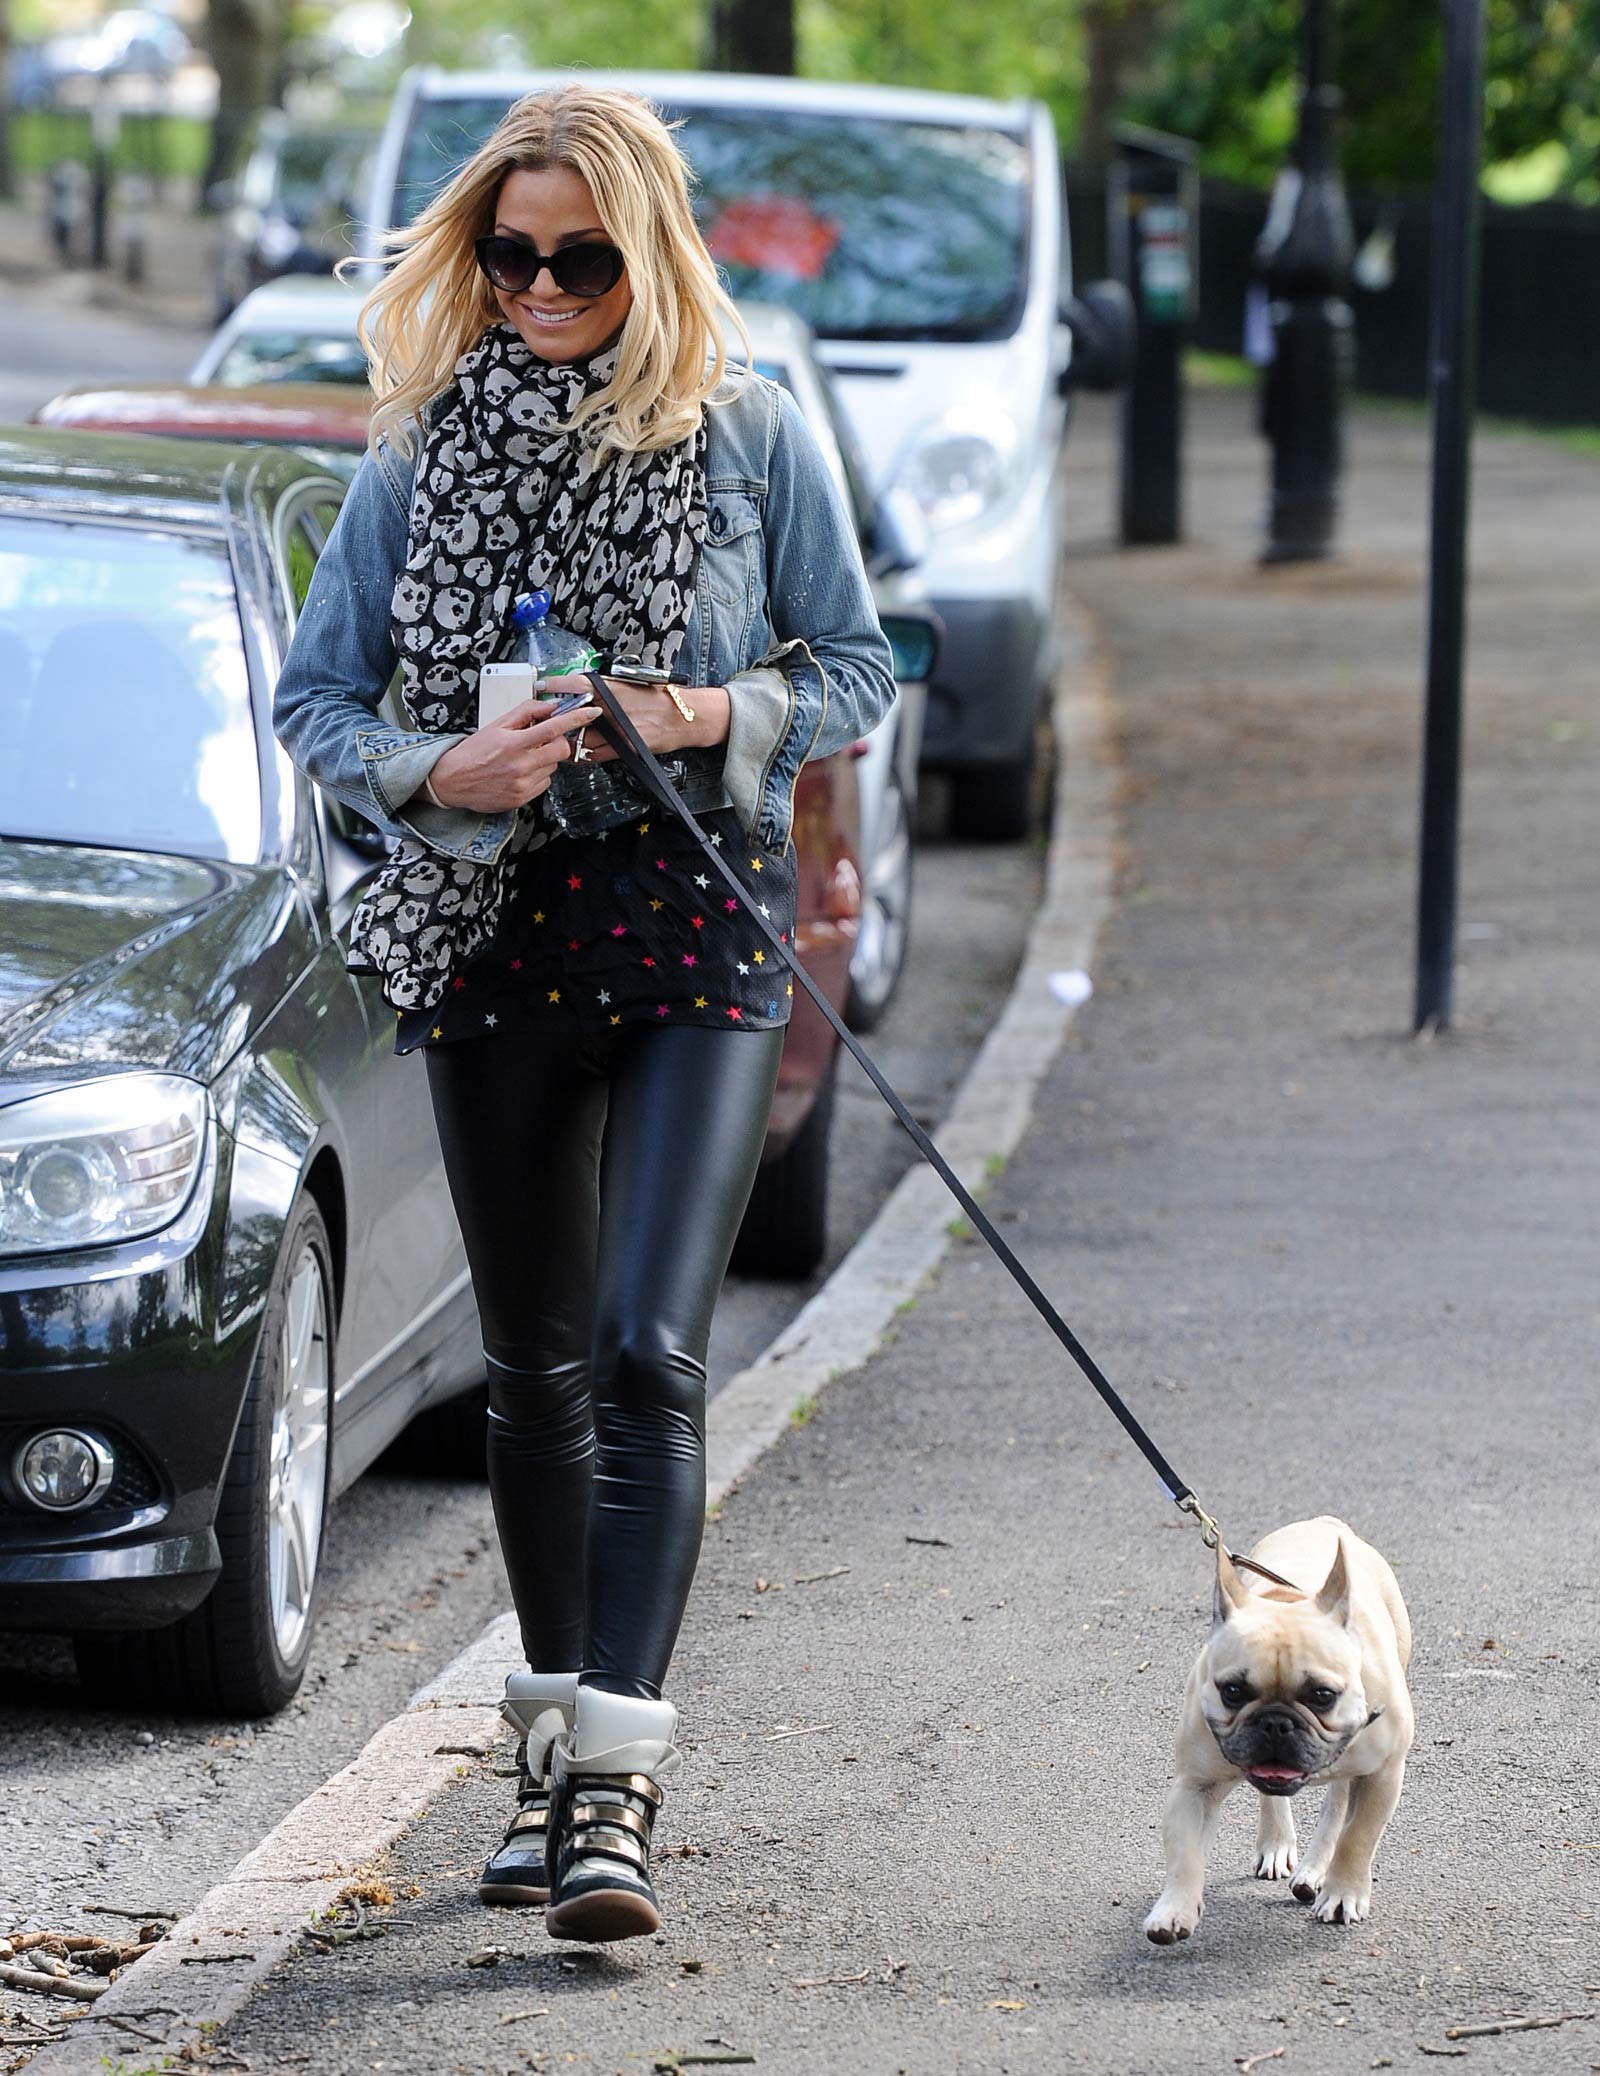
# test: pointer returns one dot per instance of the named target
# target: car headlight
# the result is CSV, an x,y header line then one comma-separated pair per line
x,y
961,465
105,1160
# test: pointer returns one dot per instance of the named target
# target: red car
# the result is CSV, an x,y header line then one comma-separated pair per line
x,y
784,1232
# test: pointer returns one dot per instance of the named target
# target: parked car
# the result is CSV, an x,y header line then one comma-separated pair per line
x,y
229,1269
300,329
325,420
288,207
922,236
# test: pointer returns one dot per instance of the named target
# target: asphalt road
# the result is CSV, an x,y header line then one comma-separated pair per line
x,y
146,1813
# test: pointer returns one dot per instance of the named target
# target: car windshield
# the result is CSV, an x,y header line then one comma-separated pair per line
x,y
867,226
291,356
124,694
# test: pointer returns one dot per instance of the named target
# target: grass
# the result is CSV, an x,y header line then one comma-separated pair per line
x,y
804,1412
1225,371
166,147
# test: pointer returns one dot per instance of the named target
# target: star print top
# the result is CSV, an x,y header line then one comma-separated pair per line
x,y
629,927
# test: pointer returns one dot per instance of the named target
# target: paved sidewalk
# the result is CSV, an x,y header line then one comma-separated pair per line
x,y
178,249
1335,1269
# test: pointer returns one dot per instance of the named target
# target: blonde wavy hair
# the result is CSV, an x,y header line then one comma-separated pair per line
x,y
433,303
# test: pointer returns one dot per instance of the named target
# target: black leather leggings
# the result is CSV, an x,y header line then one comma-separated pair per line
x,y
599,1182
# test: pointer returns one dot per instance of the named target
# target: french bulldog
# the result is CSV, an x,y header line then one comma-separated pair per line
x,y
1296,1686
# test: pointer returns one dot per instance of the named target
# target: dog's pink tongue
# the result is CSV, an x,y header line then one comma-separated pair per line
x,y
1275,1773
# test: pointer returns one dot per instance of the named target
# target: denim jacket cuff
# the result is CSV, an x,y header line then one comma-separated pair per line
x,y
395,764
759,709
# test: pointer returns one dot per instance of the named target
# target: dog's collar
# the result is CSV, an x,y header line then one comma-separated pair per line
x,y
1265,1571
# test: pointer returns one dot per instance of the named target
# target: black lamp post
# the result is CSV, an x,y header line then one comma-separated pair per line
x,y
1303,260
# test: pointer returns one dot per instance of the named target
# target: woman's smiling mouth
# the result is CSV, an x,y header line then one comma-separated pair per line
x,y
548,317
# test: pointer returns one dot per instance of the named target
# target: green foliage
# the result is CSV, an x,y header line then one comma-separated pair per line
x,y
647,34
1003,48
1029,47
1226,76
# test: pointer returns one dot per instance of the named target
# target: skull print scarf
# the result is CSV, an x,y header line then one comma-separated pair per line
x,y
509,497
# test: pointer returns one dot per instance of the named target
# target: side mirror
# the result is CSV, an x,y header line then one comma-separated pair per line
x,y
914,638
899,533
1105,332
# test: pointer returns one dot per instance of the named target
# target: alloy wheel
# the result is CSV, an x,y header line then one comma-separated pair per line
x,y
298,1469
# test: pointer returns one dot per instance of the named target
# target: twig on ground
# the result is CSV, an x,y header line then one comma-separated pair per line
x,y
830,1981
126,2025
690,2058
803,1730
50,1985
211,1960
931,1542
811,1578
1248,2061
139,1916
1517,2025
510,2018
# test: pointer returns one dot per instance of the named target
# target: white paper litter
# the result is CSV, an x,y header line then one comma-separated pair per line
x,y
1071,988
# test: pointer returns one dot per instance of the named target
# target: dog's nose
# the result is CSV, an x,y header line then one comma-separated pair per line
x,y
1276,1726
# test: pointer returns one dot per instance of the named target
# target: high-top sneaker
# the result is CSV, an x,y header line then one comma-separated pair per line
x,y
608,1776
539,1705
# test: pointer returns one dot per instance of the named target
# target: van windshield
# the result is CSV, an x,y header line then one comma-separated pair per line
x,y
865,226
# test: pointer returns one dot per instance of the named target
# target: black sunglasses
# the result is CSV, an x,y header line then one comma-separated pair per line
x,y
577,270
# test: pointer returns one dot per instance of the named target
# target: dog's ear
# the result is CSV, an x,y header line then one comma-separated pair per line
x,y
1230,1591
1333,1596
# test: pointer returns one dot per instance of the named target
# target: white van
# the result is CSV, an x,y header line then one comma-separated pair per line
x,y
922,237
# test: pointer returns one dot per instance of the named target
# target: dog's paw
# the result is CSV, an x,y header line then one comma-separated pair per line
x,y
1172,1918
1274,1862
1306,1884
1342,1905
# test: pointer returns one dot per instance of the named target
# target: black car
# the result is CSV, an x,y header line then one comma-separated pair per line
x,y
229,1268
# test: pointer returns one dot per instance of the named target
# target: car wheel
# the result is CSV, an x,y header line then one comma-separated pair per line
x,y
243,1651
444,1441
993,803
785,1229
885,929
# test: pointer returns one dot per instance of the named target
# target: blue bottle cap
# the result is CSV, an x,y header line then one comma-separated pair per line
x,y
528,609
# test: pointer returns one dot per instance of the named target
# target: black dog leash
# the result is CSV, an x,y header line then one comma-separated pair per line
x,y
642,765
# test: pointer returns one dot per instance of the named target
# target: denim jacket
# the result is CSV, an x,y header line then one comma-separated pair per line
x,y
782,616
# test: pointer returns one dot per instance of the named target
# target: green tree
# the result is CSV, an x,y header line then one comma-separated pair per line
x,y
1226,76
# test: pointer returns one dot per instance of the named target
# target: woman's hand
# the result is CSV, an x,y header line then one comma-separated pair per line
x,y
654,713
509,763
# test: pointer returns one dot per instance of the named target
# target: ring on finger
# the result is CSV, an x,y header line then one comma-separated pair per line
x,y
579,754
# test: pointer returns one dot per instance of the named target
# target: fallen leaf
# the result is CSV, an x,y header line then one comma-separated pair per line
x,y
1007,2004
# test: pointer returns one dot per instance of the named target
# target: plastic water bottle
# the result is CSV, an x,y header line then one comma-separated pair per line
x,y
538,649
550,650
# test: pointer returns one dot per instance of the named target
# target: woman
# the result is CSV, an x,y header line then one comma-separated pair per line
x,y
601,1026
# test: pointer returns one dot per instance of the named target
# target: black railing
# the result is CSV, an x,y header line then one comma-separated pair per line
x,y
1539,338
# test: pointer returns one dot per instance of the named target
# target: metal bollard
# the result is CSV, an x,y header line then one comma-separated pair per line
x,y
1150,199
1303,260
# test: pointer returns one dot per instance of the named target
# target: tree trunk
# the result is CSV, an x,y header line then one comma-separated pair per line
x,y
751,36
8,182
243,37
1119,35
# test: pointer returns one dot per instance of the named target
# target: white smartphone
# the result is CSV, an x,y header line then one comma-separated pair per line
x,y
501,686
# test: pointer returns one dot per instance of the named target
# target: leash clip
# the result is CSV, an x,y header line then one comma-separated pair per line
x,y
1210,1533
